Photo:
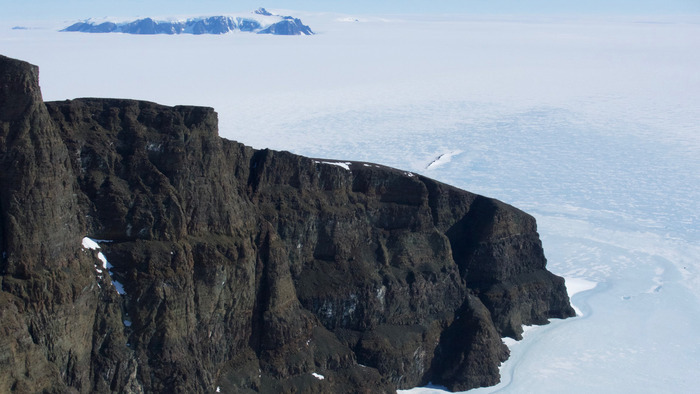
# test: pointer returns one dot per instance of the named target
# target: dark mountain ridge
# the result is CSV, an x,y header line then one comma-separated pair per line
x,y
245,270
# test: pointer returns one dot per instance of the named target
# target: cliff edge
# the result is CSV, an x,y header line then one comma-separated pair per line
x,y
141,252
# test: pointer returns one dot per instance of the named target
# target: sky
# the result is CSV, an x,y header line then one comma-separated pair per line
x,y
80,9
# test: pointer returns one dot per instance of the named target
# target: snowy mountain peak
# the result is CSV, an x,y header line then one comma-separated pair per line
x,y
261,22
262,11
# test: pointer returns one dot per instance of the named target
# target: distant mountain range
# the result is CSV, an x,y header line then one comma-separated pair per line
x,y
260,21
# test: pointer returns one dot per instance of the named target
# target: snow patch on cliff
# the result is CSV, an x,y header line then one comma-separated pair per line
x,y
92,244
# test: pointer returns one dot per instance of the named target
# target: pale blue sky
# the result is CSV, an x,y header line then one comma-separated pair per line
x,y
43,9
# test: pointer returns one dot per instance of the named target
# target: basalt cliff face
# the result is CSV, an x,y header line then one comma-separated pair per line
x,y
242,270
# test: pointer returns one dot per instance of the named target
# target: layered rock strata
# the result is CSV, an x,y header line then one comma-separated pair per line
x,y
224,267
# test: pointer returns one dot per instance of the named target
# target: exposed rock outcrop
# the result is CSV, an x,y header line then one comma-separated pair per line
x,y
248,270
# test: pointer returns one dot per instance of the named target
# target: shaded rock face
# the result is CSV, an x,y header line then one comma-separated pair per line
x,y
248,270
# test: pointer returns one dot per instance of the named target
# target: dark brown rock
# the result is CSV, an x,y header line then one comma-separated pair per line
x,y
242,269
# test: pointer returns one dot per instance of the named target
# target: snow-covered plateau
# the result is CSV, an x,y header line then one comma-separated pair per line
x,y
590,124
259,21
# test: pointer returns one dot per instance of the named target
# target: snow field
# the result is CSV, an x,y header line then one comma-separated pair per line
x,y
589,124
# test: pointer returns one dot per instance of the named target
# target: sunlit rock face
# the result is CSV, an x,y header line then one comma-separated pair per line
x,y
241,269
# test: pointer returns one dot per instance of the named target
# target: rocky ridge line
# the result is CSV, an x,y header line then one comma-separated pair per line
x,y
245,270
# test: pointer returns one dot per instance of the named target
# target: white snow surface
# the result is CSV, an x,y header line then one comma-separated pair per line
x,y
575,286
442,159
591,124
88,243
344,165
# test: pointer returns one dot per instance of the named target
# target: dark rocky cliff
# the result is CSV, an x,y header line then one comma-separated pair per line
x,y
248,270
